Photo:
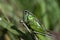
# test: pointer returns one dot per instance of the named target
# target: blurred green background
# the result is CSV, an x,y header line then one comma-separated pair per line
x,y
47,11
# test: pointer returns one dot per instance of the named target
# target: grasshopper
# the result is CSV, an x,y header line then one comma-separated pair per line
x,y
31,22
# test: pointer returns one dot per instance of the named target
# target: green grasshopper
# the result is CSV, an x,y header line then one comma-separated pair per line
x,y
32,23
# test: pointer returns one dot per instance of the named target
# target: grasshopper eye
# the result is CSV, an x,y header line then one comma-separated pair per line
x,y
26,12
